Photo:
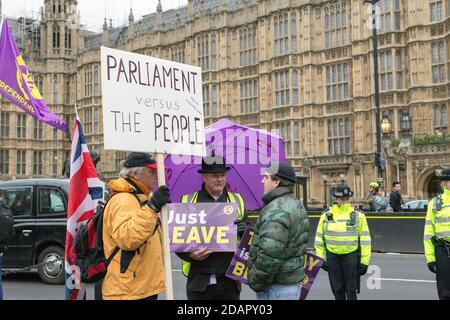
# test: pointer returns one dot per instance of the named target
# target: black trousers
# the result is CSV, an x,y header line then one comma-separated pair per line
x,y
225,289
443,272
343,273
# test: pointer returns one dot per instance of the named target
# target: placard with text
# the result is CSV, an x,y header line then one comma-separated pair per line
x,y
193,227
151,105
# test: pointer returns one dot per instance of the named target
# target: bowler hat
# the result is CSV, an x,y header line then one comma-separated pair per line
x,y
213,165
139,159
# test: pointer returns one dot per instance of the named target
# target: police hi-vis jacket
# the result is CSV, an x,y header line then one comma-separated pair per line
x,y
437,223
341,230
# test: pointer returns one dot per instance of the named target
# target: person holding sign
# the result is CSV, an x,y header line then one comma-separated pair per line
x,y
343,241
205,270
279,244
130,223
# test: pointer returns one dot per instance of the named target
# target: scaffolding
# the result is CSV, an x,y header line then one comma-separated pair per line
x,y
26,29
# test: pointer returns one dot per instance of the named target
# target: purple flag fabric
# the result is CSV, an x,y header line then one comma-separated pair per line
x,y
16,83
193,227
312,267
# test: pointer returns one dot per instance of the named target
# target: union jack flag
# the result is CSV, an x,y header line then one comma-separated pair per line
x,y
85,191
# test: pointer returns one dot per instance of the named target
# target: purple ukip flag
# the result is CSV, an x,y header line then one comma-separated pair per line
x,y
16,83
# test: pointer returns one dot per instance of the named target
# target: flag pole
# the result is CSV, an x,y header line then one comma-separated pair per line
x,y
165,233
2,18
76,111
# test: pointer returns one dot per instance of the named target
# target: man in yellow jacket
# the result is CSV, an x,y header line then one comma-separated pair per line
x,y
131,223
437,236
343,241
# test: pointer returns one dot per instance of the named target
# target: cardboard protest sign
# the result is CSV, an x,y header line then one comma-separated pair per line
x,y
238,266
194,226
313,264
151,105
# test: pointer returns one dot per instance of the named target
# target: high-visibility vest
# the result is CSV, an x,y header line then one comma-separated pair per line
x,y
437,223
192,198
338,234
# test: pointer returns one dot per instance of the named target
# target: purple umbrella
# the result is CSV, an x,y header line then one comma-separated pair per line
x,y
246,150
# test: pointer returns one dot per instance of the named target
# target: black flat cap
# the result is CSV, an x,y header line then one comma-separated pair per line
x,y
139,159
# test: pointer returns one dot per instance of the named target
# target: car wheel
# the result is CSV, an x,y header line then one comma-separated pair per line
x,y
51,265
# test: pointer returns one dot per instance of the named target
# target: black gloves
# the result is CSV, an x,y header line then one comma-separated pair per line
x,y
432,267
325,266
362,269
159,199
241,226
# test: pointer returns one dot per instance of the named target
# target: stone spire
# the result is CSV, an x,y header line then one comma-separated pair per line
x,y
190,10
105,33
131,17
159,15
131,24
159,7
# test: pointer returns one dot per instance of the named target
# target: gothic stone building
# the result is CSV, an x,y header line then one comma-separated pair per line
x,y
304,67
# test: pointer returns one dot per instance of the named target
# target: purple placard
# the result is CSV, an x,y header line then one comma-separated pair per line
x,y
238,266
194,226
312,268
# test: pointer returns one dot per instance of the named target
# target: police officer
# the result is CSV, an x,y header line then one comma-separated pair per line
x,y
206,270
343,241
374,188
437,236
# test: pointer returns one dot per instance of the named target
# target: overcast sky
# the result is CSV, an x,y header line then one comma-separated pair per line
x,y
92,12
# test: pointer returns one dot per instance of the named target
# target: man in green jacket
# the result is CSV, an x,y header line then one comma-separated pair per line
x,y
279,244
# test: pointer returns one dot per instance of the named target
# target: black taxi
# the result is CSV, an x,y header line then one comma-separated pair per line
x,y
39,207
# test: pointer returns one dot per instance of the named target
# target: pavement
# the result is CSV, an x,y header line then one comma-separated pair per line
x,y
390,277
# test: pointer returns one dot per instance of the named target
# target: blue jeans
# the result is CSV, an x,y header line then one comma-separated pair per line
x,y
281,292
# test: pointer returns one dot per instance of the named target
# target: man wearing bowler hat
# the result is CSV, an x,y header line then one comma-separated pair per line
x,y
205,270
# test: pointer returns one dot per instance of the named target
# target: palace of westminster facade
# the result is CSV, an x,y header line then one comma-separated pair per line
x,y
303,67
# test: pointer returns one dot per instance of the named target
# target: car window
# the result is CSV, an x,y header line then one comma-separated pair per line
x,y
18,199
51,201
414,205
423,204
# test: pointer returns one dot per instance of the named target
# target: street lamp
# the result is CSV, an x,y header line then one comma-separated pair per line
x,y
377,85
405,122
325,179
386,125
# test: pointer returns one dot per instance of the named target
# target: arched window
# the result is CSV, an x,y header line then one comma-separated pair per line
x,y
55,90
56,34
213,53
296,139
294,34
295,87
